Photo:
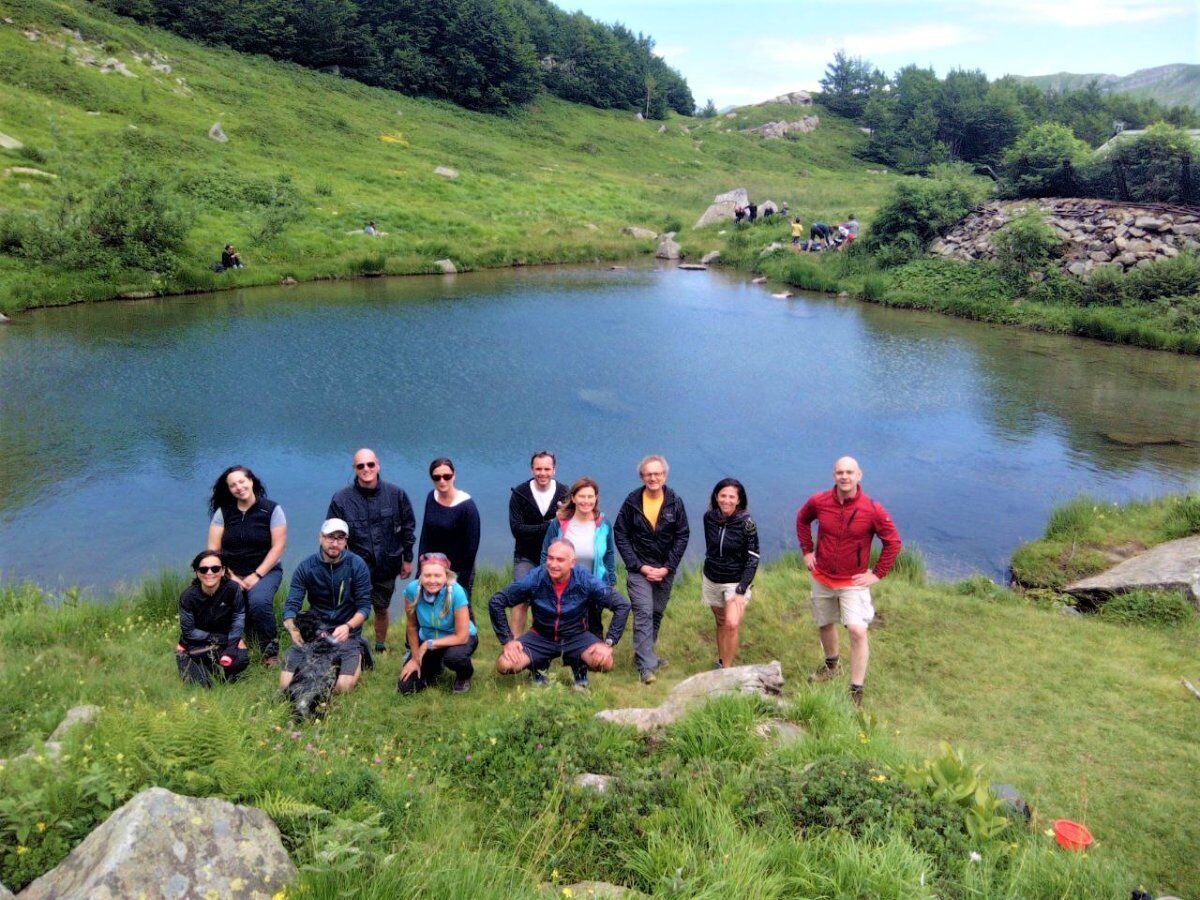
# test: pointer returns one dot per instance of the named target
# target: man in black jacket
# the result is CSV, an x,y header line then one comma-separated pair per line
x,y
651,533
531,509
382,531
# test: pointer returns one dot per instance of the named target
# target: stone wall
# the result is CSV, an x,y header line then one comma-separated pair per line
x,y
1097,232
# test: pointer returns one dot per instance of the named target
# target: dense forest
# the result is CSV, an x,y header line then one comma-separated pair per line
x,y
482,54
917,119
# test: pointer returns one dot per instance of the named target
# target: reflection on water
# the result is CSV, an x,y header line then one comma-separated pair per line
x,y
115,418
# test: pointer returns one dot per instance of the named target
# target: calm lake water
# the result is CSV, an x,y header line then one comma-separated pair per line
x,y
116,418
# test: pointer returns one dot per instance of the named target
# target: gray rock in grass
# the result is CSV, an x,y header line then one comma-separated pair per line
x,y
643,233
1173,566
446,172
161,844
592,782
447,266
217,133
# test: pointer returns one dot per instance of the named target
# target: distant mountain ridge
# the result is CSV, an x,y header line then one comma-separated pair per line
x,y
1174,84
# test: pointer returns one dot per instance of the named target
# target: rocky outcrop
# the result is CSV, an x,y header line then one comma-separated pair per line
x,y
9,143
1095,232
160,844
668,247
1173,566
643,233
765,680
722,207
447,266
446,172
795,98
28,172
802,125
710,257
217,133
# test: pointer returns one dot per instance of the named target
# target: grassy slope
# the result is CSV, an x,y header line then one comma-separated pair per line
x,y
530,184
1085,717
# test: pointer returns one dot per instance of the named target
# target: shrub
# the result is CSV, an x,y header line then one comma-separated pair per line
x,y
1025,245
1177,276
1183,519
1153,163
1034,165
917,210
1161,608
1071,521
1105,286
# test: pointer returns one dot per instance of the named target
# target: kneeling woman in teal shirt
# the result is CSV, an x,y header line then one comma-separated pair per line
x,y
440,630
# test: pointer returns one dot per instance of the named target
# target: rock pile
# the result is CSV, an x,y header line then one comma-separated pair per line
x,y
803,125
1096,232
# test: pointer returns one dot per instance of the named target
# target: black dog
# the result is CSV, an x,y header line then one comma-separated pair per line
x,y
317,672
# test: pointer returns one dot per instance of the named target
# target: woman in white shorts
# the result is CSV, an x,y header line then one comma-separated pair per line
x,y
730,561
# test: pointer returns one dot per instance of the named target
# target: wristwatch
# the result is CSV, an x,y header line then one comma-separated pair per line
x,y
428,645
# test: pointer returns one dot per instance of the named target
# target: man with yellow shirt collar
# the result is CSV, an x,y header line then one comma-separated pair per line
x,y
651,533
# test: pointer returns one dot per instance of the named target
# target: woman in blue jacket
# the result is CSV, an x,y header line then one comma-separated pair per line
x,y
440,630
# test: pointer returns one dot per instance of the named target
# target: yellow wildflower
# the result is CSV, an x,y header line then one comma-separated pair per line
x,y
21,848
40,826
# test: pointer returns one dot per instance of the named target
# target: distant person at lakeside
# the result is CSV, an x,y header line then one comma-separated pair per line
x,y
560,596
730,561
212,619
451,523
797,232
847,522
739,214
752,212
370,229
383,530
251,533
337,585
580,521
651,532
819,236
230,259
851,226
532,506
440,631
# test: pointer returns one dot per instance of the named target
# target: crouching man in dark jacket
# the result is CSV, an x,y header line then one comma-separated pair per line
x,y
559,594
212,619
338,586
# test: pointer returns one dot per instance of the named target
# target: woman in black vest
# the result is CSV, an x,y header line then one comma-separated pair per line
x,y
212,617
251,533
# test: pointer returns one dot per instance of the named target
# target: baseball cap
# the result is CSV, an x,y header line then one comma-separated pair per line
x,y
332,526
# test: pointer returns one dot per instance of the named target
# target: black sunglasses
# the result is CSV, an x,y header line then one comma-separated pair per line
x,y
365,465
442,477
205,570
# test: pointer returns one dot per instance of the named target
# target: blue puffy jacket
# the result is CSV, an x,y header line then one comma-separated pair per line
x,y
558,618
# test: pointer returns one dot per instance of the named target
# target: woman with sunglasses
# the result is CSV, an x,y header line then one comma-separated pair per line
x,y
212,616
730,561
440,630
251,533
451,524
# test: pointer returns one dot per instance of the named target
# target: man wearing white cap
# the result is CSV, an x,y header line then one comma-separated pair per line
x,y
338,585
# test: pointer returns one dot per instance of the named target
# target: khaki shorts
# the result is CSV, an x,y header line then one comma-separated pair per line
x,y
716,594
848,605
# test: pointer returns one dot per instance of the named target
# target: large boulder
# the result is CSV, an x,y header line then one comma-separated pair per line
x,y
446,266
217,133
9,143
722,207
160,844
795,98
5,893
643,233
1173,566
764,680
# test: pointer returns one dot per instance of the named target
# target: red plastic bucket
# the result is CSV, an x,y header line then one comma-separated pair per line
x,y
1071,835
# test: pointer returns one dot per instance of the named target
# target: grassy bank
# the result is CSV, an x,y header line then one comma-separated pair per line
x,y
311,158
445,796
1085,537
1157,308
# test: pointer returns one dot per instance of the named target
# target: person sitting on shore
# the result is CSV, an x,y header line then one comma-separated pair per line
x,y
440,630
212,619
231,259
370,229
337,584
560,595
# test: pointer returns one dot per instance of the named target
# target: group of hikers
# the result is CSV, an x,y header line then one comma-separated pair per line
x,y
823,236
564,575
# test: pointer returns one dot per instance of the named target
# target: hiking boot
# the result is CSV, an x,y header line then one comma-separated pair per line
x,y
538,677
718,665
649,677
856,696
461,685
581,681
380,647
663,662
824,673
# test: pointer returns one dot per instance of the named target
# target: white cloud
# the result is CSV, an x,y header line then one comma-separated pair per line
x,y
902,41
1091,13
670,51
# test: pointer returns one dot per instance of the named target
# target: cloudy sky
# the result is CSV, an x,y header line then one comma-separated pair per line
x,y
744,51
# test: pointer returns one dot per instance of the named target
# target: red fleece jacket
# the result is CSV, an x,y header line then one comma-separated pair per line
x,y
844,534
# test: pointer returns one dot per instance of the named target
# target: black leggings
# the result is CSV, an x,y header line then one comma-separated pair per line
x,y
457,659
204,668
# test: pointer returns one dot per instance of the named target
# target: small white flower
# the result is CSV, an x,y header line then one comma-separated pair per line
x,y
975,857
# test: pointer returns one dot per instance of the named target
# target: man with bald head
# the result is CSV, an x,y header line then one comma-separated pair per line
x,y
382,531
847,522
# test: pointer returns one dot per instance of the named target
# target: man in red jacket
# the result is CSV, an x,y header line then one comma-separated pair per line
x,y
847,521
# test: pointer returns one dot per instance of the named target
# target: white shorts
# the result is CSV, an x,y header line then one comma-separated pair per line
x,y
848,605
717,594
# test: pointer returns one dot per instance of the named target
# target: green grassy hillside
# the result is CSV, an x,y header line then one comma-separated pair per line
x,y
1171,85
1087,718
312,157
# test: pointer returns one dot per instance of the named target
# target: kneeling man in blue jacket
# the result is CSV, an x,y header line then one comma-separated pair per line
x,y
559,594
337,584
